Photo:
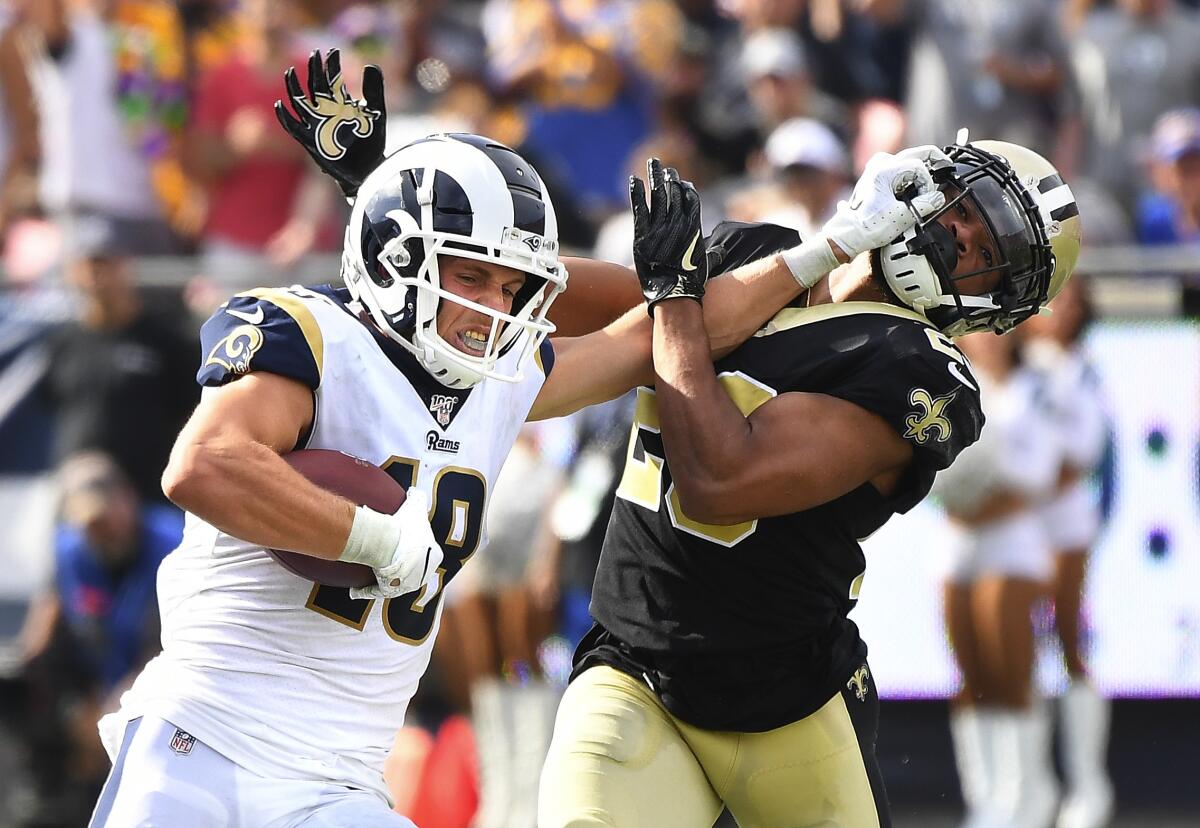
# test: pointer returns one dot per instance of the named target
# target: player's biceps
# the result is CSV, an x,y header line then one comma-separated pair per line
x,y
261,408
827,447
232,420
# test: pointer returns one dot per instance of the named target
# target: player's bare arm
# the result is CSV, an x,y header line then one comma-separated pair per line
x,y
599,366
226,468
794,452
597,294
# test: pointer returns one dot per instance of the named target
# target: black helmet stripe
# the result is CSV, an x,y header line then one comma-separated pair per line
x,y
1049,183
1066,208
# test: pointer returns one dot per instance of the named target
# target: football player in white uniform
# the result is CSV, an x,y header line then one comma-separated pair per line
x,y
275,700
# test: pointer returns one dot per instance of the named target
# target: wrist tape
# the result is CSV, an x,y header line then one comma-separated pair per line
x,y
810,261
373,539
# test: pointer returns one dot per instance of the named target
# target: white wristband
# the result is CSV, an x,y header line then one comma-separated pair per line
x,y
373,539
810,261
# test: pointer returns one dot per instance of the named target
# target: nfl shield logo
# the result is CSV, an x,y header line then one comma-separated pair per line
x,y
442,407
182,742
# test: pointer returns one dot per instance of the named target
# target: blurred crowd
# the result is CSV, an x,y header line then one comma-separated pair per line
x,y
135,129
144,127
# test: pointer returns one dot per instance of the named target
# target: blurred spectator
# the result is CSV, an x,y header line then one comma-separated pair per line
x,y
809,171
258,223
119,378
1169,213
579,517
1072,517
1135,60
19,131
88,635
703,96
112,93
776,71
998,67
589,72
1000,564
211,30
495,627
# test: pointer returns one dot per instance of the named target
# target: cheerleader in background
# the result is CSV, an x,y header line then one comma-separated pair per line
x,y
1072,521
1000,565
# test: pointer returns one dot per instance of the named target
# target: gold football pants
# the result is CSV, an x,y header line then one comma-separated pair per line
x,y
619,759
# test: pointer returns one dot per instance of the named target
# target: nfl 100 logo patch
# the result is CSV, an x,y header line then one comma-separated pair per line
x,y
442,407
182,742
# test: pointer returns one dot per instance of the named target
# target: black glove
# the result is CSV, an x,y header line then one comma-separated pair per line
x,y
668,244
344,136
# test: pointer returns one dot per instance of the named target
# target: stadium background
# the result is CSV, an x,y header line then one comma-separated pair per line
x,y
179,173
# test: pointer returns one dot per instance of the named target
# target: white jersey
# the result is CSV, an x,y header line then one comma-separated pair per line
x,y
1080,417
1018,449
1076,402
283,676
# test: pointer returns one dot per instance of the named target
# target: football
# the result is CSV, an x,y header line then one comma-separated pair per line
x,y
357,481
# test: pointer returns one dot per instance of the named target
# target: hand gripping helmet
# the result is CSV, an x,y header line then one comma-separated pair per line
x,y
1034,224
458,195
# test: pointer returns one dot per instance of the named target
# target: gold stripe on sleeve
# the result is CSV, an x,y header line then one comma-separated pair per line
x,y
294,307
789,318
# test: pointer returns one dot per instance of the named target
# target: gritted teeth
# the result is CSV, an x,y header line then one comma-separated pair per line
x,y
473,341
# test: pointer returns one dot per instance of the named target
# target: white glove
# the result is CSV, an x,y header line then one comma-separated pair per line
x,y
401,548
875,215
928,153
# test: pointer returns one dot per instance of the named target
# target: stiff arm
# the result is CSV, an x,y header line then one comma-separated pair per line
x,y
602,365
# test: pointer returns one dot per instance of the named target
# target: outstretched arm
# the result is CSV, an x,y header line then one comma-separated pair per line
x,y
600,366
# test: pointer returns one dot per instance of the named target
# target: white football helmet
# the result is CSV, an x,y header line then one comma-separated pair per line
x,y
1033,221
460,195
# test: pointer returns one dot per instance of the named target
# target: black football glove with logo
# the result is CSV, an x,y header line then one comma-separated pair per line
x,y
344,136
668,244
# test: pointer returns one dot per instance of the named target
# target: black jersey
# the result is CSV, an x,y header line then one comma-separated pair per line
x,y
744,627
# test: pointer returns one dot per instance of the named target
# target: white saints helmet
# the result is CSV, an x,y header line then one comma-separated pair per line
x,y
458,195
1034,224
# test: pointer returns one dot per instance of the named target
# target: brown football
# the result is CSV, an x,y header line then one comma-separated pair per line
x,y
357,481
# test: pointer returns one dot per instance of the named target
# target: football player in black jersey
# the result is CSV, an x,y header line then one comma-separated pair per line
x,y
723,670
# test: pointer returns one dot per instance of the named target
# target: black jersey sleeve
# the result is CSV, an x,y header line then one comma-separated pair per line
x,y
882,358
734,243
261,330
918,382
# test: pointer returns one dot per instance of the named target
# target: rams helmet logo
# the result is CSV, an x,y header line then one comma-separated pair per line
x,y
333,111
858,683
929,416
235,351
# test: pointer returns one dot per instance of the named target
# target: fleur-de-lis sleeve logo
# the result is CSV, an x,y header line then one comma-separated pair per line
x,y
928,419
858,683
334,110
